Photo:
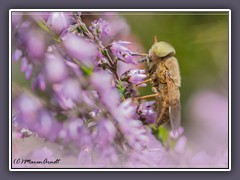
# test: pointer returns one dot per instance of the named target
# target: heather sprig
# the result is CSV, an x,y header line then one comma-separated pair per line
x,y
80,109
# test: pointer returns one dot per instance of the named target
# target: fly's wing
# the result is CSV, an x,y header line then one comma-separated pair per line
x,y
173,84
174,107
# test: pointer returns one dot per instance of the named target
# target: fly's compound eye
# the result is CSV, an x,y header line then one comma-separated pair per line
x,y
162,49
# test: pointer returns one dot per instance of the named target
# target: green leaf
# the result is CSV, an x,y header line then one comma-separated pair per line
x,y
163,134
104,52
43,25
121,89
86,70
83,28
61,117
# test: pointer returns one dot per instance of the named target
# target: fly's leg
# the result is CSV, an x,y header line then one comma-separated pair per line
x,y
146,97
147,80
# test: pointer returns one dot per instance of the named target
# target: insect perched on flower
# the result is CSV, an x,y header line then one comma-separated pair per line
x,y
165,78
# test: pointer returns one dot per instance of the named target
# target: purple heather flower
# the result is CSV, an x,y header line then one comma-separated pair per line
x,y
123,113
137,78
124,67
106,132
105,136
151,156
74,131
106,156
74,128
209,112
74,68
86,97
100,28
40,15
36,45
119,46
16,18
21,35
64,102
132,129
181,145
71,89
24,64
134,76
103,82
118,25
39,82
26,108
55,68
59,98
42,83
146,112
58,21
202,159
16,55
67,93
84,157
118,49
31,114
81,49
47,127
28,71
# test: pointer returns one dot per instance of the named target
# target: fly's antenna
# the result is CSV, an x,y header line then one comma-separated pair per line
x,y
155,39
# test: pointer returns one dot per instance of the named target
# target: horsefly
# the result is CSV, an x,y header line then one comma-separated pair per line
x,y
165,78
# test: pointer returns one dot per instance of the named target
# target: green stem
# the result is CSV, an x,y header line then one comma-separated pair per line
x,y
43,26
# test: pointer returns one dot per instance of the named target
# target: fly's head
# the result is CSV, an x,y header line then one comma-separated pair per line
x,y
161,50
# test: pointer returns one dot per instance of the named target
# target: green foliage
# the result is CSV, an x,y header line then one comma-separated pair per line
x,y
121,89
163,134
86,70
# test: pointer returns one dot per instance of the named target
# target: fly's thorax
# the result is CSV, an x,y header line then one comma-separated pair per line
x,y
159,77
160,72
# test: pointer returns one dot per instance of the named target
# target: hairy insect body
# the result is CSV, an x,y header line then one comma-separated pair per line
x,y
157,71
164,72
